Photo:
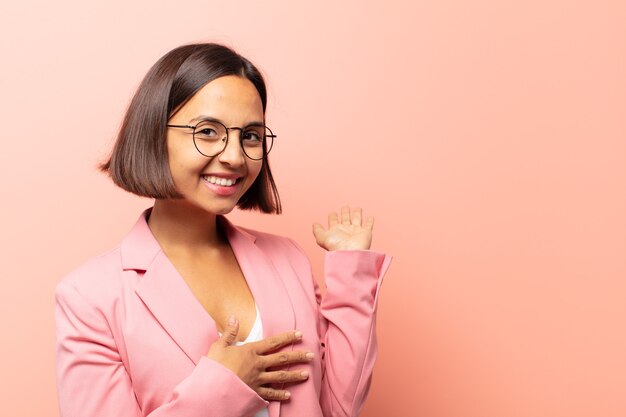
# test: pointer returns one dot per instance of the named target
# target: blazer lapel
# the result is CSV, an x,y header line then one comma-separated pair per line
x,y
168,297
266,284
165,293
267,287
171,301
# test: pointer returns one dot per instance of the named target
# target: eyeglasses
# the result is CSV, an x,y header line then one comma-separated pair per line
x,y
210,138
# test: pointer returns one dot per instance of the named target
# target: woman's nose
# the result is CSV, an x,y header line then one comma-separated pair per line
x,y
233,153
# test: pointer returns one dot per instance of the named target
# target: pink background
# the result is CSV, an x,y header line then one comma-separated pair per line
x,y
488,138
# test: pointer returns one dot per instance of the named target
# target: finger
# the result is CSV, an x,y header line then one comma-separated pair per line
x,y
369,223
286,358
283,377
318,231
356,216
275,342
345,215
271,394
332,219
230,332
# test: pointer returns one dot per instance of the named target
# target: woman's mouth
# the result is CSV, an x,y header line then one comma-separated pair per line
x,y
221,186
225,182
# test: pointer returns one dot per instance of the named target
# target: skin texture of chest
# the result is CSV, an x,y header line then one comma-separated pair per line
x,y
217,282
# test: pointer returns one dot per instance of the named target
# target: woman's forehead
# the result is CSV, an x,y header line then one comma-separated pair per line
x,y
230,98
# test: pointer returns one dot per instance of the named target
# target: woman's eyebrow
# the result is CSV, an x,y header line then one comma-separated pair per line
x,y
203,117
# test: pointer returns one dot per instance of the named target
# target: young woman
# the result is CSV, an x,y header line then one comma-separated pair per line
x,y
191,315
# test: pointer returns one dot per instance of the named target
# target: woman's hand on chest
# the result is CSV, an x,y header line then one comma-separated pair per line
x,y
252,362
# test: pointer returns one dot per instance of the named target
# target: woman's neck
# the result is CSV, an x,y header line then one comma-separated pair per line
x,y
180,227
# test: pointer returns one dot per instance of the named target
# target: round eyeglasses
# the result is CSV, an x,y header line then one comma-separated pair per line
x,y
210,138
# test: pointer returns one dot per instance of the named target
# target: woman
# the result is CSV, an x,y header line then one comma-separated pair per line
x,y
191,315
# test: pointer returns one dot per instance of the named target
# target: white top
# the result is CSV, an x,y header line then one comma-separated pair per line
x,y
256,334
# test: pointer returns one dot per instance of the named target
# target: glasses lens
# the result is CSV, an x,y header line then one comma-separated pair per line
x,y
209,138
257,141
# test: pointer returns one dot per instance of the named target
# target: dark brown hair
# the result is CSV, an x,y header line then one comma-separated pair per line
x,y
139,162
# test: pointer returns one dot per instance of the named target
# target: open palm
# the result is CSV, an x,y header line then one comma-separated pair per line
x,y
349,232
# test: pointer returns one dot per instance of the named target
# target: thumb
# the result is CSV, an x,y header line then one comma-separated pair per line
x,y
230,332
318,232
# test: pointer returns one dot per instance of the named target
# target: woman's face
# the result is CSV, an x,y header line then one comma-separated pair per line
x,y
235,102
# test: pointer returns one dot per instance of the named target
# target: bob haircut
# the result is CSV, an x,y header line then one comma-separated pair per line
x,y
138,162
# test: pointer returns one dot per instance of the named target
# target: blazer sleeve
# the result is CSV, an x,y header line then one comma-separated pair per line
x,y
92,380
346,326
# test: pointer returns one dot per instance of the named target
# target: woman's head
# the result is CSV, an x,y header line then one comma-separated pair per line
x,y
140,161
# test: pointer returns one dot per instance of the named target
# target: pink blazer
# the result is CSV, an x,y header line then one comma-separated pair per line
x,y
132,338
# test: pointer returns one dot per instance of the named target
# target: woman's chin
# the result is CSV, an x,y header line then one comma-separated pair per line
x,y
222,211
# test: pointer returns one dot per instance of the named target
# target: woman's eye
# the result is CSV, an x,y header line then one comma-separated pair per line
x,y
252,137
206,132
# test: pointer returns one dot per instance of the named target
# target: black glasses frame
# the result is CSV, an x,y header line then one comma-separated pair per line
x,y
241,129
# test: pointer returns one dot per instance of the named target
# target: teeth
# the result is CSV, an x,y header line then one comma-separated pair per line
x,y
219,181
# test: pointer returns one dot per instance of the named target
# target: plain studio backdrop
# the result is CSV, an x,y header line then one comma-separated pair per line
x,y
487,137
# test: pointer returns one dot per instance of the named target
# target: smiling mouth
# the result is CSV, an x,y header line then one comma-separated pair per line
x,y
224,182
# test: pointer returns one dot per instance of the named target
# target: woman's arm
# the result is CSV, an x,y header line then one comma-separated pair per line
x,y
353,275
348,319
93,382
346,325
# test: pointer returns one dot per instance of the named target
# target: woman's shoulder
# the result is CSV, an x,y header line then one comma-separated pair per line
x,y
281,249
95,279
271,241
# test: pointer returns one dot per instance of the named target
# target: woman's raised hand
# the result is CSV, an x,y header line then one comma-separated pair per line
x,y
250,361
348,233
